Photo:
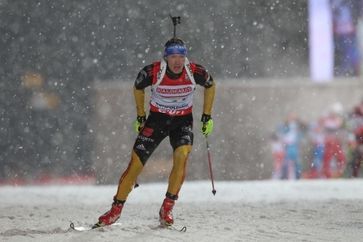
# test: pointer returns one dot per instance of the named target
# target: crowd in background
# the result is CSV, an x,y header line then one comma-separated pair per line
x,y
329,147
332,145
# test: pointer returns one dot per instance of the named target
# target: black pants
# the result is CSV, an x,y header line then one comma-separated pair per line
x,y
157,127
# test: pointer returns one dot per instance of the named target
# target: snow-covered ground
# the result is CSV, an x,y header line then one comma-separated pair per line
x,y
310,210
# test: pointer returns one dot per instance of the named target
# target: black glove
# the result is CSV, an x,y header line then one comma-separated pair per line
x,y
207,124
139,123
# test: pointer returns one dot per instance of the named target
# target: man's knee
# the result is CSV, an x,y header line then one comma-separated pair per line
x,y
182,152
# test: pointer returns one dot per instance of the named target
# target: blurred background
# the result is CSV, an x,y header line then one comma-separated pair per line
x,y
68,67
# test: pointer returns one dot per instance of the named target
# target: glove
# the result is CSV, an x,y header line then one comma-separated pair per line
x,y
207,124
139,123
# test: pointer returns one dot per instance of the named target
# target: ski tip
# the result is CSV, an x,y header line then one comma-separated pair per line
x,y
172,227
214,192
97,225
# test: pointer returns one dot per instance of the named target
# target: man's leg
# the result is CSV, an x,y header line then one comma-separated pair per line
x,y
328,155
340,157
148,139
128,178
181,139
176,180
177,175
125,186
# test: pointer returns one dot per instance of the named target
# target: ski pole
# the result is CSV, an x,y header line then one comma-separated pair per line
x,y
210,166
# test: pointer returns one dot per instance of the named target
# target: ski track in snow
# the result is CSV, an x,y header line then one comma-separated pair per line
x,y
310,210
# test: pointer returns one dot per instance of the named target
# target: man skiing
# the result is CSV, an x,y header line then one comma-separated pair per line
x,y
172,81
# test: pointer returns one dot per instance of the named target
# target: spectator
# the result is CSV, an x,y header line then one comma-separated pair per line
x,y
278,154
316,136
333,125
290,133
345,37
357,141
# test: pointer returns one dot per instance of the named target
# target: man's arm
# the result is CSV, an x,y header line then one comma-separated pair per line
x,y
139,100
209,93
143,80
203,78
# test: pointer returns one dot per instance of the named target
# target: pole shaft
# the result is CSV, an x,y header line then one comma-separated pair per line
x,y
210,165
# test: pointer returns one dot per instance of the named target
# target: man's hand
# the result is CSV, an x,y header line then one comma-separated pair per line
x,y
139,123
207,124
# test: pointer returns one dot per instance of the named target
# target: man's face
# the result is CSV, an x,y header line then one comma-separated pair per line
x,y
176,63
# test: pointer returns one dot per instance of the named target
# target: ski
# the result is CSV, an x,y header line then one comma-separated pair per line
x,y
183,229
88,228
97,226
172,227
79,228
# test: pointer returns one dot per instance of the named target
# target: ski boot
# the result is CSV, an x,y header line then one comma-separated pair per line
x,y
110,216
166,212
